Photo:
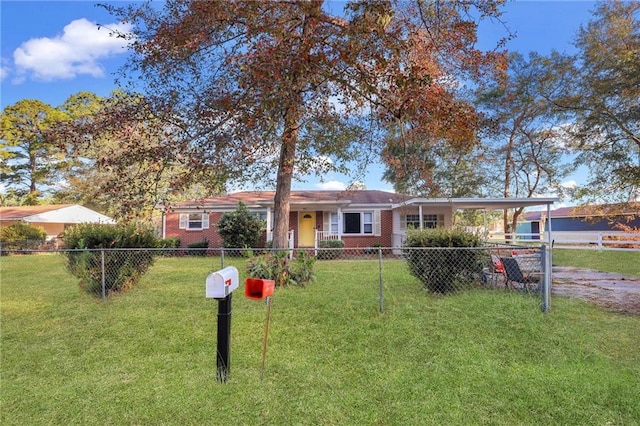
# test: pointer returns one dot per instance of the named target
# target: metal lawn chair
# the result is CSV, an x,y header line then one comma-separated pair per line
x,y
514,274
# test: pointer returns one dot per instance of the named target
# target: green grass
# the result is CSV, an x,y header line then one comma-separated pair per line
x,y
148,356
622,262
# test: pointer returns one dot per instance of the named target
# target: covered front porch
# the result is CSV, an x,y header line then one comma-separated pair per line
x,y
311,222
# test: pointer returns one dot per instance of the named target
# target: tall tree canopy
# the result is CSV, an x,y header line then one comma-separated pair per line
x,y
259,86
31,160
604,98
429,168
527,147
125,158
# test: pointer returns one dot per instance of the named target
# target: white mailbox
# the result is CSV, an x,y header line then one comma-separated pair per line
x,y
221,283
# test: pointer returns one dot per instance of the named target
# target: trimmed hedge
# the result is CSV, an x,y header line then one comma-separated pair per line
x,y
333,247
203,245
122,268
22,236
448,267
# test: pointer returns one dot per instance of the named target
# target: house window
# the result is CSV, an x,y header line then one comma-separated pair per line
x,y
431,221
358,223
194,221
412,221
367,223
334,223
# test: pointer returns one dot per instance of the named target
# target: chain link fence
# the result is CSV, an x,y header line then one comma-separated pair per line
x,y
440,270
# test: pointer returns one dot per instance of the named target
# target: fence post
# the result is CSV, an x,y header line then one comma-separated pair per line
x,y
381,288
102,275
546,278
222,258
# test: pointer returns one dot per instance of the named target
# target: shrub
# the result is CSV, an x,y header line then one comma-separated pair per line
x,y
22,236
122,268
333,247
172,242
450,265
278,267
240,228
301,269
373,249
204,244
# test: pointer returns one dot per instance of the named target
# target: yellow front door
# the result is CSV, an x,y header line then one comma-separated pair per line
x,y
307,229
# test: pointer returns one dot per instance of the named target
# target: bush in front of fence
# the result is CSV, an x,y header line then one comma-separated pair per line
x,y
203,245
332,249
277,266
92,257
444,260
21,236
170,243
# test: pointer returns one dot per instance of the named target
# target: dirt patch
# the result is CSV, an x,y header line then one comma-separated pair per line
x,y
619,293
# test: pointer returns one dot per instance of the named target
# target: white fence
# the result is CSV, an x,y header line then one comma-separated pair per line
x,y
599,240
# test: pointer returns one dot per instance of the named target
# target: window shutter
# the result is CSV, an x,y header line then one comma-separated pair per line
x,y
377,226
205,220
184,221
326,221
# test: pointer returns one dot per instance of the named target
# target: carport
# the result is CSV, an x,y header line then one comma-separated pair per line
x,y
486,204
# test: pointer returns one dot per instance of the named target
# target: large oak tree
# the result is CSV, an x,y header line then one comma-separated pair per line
x,y
527,146
126,159
263,89
604,100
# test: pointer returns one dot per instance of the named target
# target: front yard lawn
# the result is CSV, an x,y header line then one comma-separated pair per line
x,y
148,356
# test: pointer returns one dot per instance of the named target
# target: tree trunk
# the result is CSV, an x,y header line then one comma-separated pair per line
x,y
292,117
508,164
285,174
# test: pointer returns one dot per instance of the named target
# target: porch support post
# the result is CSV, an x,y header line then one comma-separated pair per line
x,y
484,219
549,260
164,223
420,216
339,223
269,230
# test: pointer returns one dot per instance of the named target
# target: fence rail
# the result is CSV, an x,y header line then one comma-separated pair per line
x,y
598,240
439,269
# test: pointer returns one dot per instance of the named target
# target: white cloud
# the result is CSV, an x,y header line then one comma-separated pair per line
x,y
4,71
570,184
332,185
76,51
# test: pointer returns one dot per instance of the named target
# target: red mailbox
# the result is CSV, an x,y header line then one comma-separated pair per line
x,y
258,288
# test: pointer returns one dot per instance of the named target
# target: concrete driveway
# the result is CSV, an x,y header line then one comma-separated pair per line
x,y
620,293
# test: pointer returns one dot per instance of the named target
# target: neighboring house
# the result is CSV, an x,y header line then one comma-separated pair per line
x,y
581,219
53,218
360,218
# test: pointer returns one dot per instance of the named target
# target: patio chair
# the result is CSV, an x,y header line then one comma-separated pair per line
x,y
494,273
514,274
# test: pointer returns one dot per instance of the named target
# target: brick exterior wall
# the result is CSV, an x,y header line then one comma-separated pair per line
x,y
186,236
386,226
172,230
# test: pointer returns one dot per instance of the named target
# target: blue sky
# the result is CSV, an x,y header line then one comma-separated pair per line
x,y
53,49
